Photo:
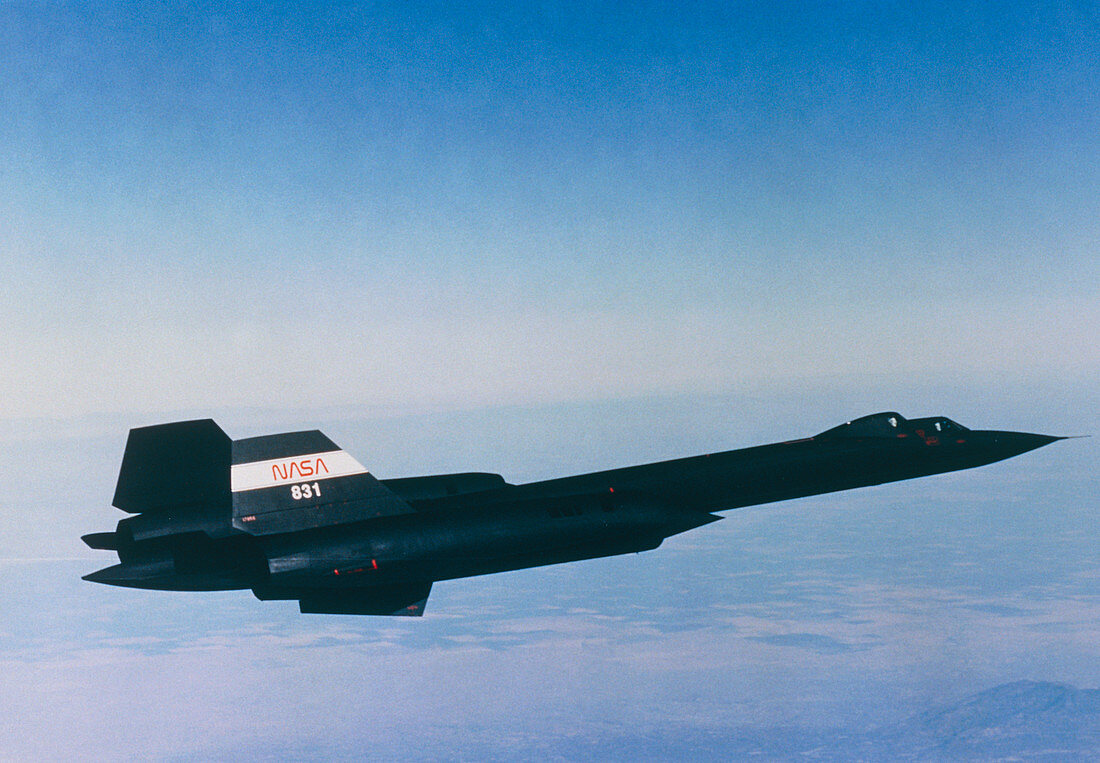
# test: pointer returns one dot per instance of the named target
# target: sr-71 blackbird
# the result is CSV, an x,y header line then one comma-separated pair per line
x,y
292,516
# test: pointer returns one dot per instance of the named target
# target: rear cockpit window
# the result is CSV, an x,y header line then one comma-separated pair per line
x,y
887,424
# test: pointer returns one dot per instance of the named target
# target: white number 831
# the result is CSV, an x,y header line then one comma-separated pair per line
x,y
298,492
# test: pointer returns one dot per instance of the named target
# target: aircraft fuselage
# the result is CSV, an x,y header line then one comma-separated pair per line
x,y
365,546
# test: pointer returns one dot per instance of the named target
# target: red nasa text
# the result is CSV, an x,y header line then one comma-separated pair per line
x,y
306,467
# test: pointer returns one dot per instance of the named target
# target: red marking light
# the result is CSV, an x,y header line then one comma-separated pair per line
x,y
374,564
611,490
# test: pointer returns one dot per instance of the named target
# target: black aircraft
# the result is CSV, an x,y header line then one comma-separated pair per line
x,y
292,516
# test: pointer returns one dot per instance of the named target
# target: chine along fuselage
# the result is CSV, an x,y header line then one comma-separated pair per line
x,y
292,516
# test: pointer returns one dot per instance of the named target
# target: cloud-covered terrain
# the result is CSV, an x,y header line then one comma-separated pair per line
x,y
896,620
545,239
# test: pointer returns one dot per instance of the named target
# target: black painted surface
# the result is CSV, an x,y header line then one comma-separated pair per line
x,y
174,467
286,445
374,547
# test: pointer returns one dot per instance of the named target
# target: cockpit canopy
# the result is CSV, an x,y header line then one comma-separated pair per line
x,y
936,425
892,424
887,424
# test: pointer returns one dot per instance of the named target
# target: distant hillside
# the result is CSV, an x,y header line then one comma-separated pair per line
x,y
1028,719
1025,720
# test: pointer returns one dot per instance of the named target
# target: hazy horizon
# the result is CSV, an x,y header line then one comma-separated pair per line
x,y
541,240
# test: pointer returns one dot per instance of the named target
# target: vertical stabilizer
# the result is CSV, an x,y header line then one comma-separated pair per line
x,y
180,468
300,480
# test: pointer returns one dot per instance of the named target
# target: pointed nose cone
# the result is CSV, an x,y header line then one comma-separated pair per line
x,y
1022,442
997,445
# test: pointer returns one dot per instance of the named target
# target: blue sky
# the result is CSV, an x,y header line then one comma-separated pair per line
x,y
541,240
424,207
